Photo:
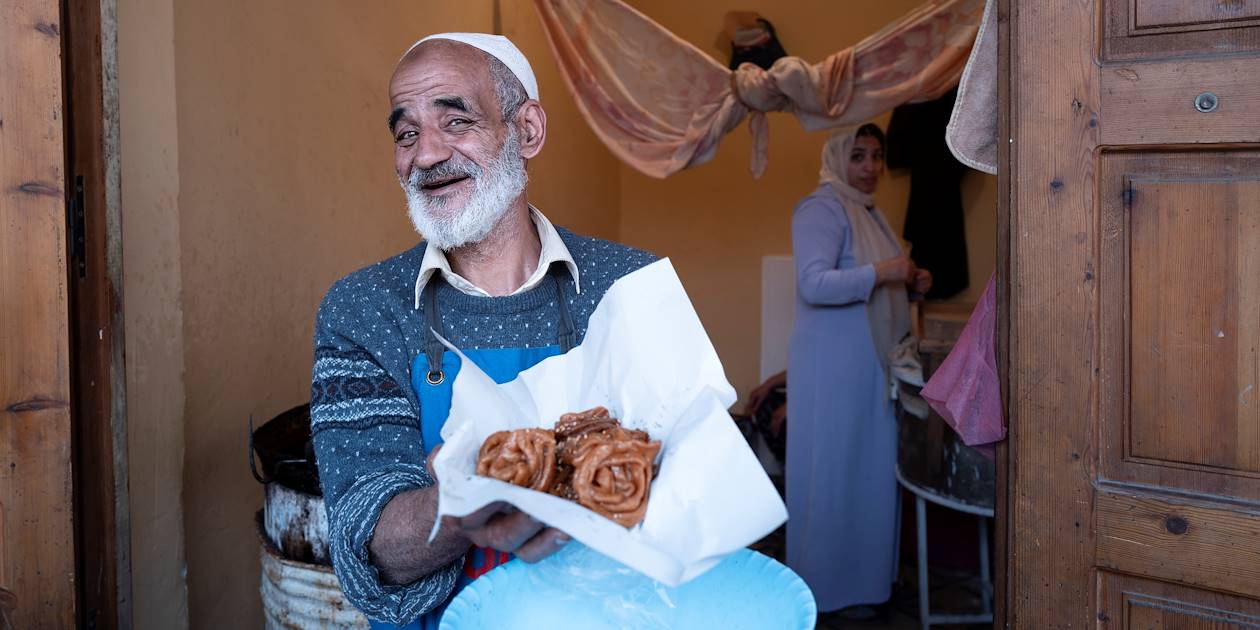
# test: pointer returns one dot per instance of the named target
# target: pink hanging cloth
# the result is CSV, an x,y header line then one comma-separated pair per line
x,y
965,389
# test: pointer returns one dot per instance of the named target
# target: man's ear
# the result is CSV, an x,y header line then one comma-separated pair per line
x,y
531,124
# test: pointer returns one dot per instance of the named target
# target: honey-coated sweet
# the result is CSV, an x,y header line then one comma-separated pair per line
x,y
588,458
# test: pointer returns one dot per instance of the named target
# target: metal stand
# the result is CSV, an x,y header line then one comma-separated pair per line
x,y
921,497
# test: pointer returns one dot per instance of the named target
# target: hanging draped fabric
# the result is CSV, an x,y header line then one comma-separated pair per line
x,y
662,105
972,132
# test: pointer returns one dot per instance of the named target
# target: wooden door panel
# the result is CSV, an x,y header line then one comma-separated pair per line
x,y
36,531
1183,310
1148,14
1154,103
1132,603
1193,305
1209,544
1135,29
1180,320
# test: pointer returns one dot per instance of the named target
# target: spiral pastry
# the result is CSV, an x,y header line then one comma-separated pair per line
x,y
589,458
612,476
572,425
524,457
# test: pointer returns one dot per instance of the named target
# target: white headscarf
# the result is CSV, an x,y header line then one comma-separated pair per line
x,y
888,309
496,46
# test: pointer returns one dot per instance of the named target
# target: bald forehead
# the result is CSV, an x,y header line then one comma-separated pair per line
x,y
441,57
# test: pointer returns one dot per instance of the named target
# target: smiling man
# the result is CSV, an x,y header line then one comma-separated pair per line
x,y
494,277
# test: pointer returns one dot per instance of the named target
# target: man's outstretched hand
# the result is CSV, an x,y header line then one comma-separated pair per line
x,y
505,528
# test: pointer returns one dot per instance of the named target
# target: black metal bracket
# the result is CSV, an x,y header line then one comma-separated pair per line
x,y
76,227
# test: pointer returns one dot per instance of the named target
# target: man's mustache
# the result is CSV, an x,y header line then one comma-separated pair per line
x,y
441,172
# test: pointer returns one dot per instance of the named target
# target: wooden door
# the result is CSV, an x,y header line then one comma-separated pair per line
x,y
1133,303
36,531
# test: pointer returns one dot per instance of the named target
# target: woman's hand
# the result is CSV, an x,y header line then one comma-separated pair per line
x,y
777,419
900,269
758,396
922,281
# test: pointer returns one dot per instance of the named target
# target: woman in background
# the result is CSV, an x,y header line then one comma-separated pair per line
x,y
851,309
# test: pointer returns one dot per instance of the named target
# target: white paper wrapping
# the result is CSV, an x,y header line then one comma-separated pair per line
x,y
647,359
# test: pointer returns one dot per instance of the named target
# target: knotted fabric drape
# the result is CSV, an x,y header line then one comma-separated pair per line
x,y
662,105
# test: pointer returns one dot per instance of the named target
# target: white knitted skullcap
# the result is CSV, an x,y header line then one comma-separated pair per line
x,y
500,48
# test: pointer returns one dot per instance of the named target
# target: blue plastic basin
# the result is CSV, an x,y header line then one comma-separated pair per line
x,y
580,589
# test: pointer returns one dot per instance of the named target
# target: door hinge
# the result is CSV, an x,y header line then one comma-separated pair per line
x,y
1127,195
76,230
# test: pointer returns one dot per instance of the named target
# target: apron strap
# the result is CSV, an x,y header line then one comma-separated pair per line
x,y
566,332
433,348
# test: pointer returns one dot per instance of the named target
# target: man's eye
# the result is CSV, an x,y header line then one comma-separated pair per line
x,y
458,122
405,137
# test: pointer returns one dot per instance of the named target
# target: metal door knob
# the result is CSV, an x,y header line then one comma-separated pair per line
x,y
1205,102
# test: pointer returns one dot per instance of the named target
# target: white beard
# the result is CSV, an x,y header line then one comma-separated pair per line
x,y
493,192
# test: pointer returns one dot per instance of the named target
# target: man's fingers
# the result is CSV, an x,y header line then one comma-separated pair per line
x,y
545,543
478,519
505,532
428,461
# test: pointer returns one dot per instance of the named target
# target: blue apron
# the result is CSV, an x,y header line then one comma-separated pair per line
x,y
432,374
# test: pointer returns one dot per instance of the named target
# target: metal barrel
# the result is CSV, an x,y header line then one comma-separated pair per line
x,y
297,595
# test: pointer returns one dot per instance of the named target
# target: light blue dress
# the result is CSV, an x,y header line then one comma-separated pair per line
x,y
842,497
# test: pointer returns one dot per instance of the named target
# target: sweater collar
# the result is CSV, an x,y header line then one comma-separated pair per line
x,y
553,250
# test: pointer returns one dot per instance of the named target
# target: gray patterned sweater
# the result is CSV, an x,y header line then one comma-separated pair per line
x,y
365,416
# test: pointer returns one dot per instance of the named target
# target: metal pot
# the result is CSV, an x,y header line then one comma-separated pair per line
x,y
297,524
283,446
295,519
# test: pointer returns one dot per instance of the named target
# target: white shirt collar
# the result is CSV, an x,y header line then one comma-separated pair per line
x,y
553,250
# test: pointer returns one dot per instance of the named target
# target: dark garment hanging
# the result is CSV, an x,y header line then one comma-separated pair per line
x,y
763,55
934,214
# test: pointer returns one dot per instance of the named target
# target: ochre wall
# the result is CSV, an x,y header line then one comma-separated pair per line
x,y
153,320
285,184
716,222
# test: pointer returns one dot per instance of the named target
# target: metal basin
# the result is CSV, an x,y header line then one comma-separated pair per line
x,y
932,456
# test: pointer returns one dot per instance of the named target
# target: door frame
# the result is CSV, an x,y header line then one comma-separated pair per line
x,y
1002,289
94,269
